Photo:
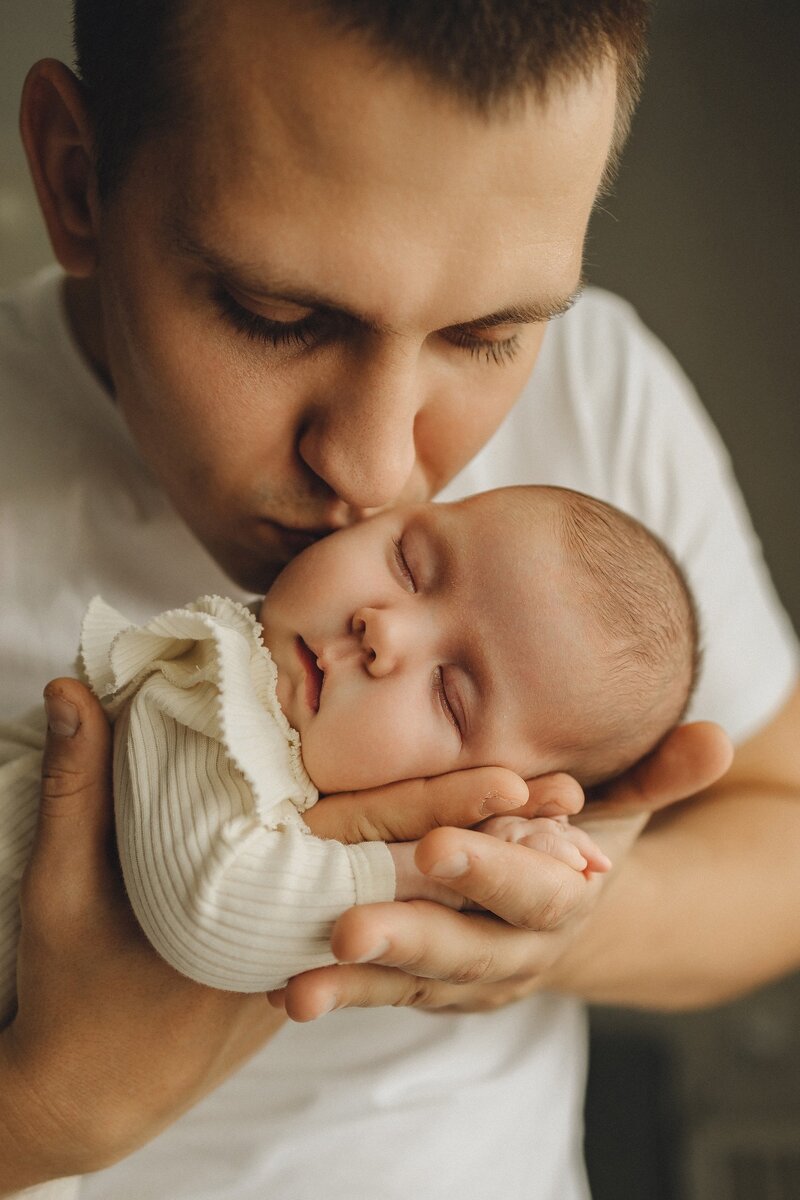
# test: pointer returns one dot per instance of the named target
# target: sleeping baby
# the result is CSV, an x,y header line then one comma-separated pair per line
x,y
532,628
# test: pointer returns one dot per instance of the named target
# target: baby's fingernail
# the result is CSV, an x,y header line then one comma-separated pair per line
x,y
601,862
494,802
450,868
62,716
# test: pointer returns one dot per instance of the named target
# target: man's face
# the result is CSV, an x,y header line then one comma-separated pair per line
x,y
323,290
432,638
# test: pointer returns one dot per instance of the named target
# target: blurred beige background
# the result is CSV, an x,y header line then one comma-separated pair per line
x,y
702,235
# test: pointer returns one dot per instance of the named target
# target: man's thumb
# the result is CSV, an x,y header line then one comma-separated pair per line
x,y
76,769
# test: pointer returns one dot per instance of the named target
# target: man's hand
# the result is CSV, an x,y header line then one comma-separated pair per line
x,y
405,811
424,955
109,1044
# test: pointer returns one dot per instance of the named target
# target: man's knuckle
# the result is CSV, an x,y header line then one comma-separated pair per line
x,y
478,968
62,783
418,994
495,898
552,910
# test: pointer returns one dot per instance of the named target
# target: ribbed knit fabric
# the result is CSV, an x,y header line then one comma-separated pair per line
x,y
223,874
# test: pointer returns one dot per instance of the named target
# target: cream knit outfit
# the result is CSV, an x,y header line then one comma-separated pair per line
x,y
223,874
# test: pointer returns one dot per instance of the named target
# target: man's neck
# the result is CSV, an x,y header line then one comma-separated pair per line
x,y
85,319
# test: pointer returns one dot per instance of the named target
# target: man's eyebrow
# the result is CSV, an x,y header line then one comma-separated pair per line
x,y
529,312
250,277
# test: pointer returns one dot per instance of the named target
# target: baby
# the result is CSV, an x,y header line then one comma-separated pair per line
x,y
533,628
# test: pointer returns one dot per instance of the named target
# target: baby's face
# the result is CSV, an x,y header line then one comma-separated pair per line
x,y
429,639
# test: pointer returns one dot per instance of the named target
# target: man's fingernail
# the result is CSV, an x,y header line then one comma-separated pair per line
x,y
328,1006
377,951
449,868
494,802
62,716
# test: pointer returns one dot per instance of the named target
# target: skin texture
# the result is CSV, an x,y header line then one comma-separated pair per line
x,y
417,235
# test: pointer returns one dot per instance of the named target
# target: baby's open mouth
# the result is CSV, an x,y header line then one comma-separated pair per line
x,y
314,676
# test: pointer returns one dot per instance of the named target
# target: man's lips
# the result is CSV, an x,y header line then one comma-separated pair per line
x,y
314,676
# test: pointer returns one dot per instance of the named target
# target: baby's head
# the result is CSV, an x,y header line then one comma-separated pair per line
x,y
530,627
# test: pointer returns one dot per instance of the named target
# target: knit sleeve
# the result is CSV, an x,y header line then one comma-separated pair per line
x,y
21,746
224,876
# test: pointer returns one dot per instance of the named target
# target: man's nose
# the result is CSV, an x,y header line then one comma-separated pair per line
x,y
358,435
382,641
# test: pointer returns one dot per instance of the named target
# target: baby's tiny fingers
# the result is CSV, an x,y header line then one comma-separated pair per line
x,y
596,860
550,835
548,839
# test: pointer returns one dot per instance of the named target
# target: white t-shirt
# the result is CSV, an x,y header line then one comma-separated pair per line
x,y
380,1104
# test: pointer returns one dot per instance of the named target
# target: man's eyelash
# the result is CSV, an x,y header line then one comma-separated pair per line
x,y
305,332
402,564
320,326
500,352
441,692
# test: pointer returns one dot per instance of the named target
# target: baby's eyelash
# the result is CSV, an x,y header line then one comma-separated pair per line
x,y
441,692
402,564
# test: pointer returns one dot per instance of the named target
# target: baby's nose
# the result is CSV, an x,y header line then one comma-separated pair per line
x,y
378,640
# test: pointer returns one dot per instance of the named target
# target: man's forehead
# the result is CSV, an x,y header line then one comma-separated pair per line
x,y
326,101
316,172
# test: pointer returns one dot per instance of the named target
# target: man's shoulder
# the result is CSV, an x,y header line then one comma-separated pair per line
x,y
601,335
32,340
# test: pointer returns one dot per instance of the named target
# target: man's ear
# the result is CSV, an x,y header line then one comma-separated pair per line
x,y
58,139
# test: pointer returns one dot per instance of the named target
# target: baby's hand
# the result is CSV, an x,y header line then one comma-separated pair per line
x,y
550,835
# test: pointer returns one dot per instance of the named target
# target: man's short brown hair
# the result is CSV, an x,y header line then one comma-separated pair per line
x,y
485,52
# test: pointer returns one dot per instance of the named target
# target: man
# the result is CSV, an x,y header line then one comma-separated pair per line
x,y
311,252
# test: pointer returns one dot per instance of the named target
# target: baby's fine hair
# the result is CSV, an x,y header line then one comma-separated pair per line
x,y
648,623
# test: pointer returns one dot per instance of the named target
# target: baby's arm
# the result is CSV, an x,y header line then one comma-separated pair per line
x,y
553,835
225,899
223,875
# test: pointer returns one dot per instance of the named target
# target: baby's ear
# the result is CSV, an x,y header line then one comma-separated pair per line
x,y
556,795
